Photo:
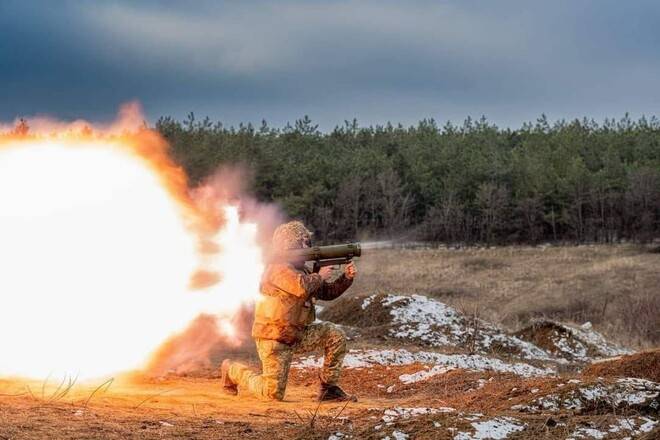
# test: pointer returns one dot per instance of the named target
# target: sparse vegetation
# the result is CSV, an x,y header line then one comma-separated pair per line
x,y
613,287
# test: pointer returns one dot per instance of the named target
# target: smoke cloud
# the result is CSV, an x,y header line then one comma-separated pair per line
x,y
209,338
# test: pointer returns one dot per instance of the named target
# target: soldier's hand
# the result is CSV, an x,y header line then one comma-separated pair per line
x,y
325,272
350,270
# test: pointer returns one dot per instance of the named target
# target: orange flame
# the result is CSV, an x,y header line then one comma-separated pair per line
x,y
100,241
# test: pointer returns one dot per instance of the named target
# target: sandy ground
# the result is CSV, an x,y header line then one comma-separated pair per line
x,y
135,407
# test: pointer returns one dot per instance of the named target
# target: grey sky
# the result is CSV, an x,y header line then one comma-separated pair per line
x,y
333,60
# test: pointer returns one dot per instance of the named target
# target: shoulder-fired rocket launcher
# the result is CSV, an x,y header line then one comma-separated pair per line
x,y
323,255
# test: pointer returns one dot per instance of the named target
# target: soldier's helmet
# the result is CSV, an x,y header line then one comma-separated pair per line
x,y
291,235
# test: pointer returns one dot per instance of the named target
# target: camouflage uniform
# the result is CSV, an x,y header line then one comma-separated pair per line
x,y
284,322
276,359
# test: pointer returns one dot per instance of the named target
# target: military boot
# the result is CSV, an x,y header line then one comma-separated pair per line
x,y
334,393
228,387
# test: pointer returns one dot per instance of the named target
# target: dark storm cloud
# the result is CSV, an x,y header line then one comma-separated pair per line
x,y
334,60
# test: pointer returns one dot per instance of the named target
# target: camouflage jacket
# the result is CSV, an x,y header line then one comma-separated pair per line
x,y
286,305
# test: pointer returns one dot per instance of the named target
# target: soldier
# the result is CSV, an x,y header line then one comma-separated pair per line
x,y
284,324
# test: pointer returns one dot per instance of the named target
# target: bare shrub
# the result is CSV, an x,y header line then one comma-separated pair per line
x,y
641,318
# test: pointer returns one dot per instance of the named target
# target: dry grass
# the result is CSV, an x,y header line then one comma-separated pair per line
x,y
617,288
645,364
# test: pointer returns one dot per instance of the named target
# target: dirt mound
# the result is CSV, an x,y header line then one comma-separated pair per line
x,y
427,322
357,311
599,397
644,365
576,344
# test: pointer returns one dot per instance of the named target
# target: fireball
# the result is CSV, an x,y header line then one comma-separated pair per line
x,y
98,243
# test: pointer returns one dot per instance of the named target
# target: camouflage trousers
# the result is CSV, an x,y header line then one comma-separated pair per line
x,y
276,359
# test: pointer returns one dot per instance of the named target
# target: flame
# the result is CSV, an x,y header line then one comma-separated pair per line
x,y
99,239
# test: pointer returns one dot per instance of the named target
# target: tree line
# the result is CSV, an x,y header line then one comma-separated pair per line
x,y
571,181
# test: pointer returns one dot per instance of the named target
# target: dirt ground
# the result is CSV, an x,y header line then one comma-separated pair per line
x,y
179,407
450,403
141,408
136,407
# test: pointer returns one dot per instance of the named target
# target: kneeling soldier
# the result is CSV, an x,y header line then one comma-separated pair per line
x,y
284,323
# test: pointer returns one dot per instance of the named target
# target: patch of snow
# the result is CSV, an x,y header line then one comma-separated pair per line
x,y
425,374
636,391
309,362
623,392
405,413
497,428
624,424
580,343
570,346
630,391
648,425
595,339
629,424
337,436
367,301
368,358
587,433
398,435
473,417
421,318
